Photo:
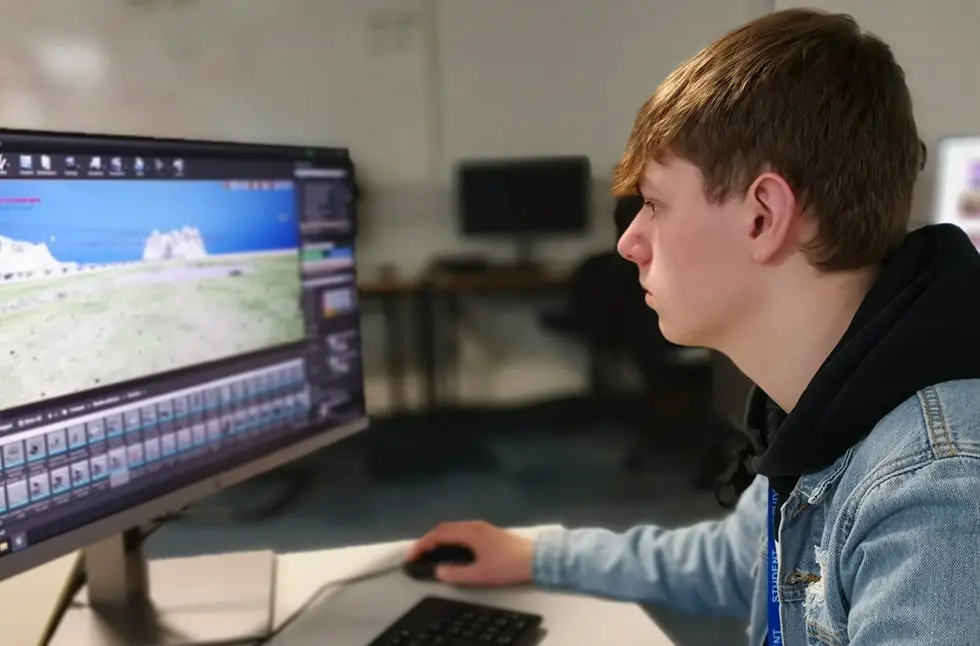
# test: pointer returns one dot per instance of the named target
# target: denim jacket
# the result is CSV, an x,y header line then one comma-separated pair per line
x,y
882,547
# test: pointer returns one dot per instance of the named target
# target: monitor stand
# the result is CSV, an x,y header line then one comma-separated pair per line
x,y
524,254
220,599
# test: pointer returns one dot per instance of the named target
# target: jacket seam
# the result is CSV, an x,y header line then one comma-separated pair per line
x,y
937,428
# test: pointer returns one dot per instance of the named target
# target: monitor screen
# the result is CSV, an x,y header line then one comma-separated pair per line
x,y
168,311
524,196
958,184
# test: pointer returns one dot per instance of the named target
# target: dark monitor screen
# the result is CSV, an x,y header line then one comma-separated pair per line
x,y
168,311
524,196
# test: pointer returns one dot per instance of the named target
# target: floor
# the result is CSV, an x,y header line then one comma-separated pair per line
x,y
380,487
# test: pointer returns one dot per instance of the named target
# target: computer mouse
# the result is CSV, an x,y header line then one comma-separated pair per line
x,y
424,567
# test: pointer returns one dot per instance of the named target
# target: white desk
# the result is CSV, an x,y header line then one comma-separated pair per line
x,y
31,599
354,614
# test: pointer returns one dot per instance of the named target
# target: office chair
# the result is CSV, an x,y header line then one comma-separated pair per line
x,y
606,312
624,212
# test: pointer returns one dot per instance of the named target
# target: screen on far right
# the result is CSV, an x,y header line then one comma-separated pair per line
x,y
958,184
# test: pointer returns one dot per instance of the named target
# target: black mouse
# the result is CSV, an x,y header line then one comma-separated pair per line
x,y
424,567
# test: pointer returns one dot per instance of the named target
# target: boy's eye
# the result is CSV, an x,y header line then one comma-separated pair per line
x,y
647,204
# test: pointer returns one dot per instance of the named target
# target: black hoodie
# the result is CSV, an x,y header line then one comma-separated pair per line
x,y
918,326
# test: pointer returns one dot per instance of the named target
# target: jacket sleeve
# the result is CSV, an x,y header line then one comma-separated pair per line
x,y
910,561
707,568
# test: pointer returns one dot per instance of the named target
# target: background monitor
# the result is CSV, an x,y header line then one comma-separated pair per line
x,y
958,184
175,317
524,198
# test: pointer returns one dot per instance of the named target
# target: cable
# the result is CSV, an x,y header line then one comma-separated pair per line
x,y
77,577
319,592
278,630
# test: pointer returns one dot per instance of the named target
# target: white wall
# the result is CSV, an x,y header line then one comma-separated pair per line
x,y
285,71
936,44
409,85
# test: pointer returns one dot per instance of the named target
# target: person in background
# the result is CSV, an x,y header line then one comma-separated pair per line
x,y
776,169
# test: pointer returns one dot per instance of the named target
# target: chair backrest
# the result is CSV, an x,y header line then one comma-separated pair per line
x,y
606,298
626,209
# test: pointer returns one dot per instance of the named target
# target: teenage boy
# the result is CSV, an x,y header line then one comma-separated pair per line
x,y
776,169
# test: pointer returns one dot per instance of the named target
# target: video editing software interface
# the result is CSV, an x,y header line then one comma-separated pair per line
x,y
167,311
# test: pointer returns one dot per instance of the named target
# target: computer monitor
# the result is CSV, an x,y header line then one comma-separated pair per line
x,y
958,184
175,317
524,198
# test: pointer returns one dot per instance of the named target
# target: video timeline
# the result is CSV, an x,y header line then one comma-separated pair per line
x,y
116,446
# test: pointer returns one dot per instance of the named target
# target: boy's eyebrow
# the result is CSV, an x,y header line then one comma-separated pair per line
x,y
645,187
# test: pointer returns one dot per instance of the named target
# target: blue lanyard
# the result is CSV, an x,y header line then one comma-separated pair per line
x,y
775,627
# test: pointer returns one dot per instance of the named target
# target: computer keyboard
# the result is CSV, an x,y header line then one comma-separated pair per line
x,y
435,621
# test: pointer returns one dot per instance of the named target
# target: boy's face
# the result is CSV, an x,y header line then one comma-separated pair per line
x,y
693,256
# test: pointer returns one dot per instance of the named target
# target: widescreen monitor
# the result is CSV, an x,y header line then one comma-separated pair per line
x,y
175,317
524,199
524,196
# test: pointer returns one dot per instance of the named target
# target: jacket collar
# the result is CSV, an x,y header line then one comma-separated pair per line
x,y
813,488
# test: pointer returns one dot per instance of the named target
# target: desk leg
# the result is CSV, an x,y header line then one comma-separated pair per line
x,y
395,351
451,345
425,304
596,385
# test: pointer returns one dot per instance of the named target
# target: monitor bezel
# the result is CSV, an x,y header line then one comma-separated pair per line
x,y
52,141
318,436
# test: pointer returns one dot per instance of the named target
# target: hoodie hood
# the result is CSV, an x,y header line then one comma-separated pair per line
x,y
918,326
